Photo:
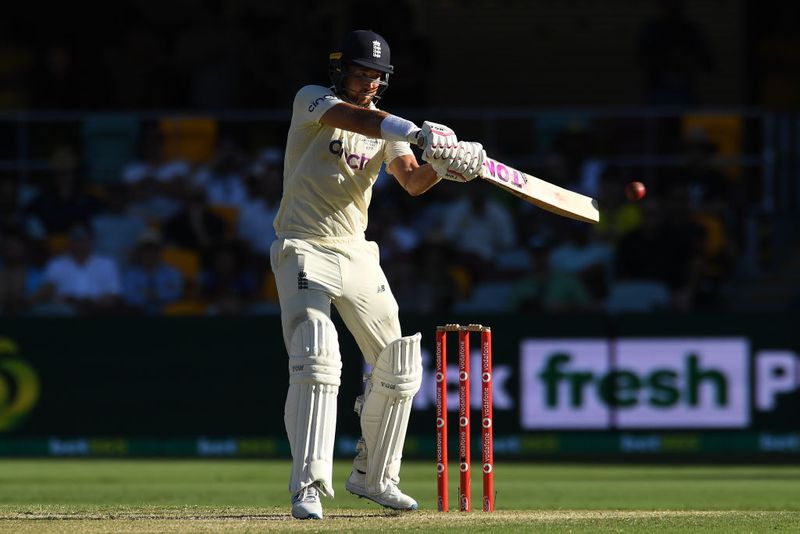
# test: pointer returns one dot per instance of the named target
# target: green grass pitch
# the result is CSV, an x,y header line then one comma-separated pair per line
x,y
52,495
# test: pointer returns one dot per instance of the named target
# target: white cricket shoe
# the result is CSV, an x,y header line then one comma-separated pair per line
x,y
392,497
306,503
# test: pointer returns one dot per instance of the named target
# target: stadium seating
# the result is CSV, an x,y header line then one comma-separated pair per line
x,y
109,143
229,214
190,139
185,260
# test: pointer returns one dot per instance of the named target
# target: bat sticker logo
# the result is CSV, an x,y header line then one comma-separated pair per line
x,y
504,173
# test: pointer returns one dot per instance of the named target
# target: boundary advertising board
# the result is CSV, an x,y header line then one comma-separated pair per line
x,y
215,386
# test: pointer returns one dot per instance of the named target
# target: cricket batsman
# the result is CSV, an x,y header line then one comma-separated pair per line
x,y
337,142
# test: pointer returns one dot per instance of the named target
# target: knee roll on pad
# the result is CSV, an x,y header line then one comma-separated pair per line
x,y
315,368
314,353
398,370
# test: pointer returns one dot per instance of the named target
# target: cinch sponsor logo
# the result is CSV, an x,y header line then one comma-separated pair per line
x,y
635,383
354,161
317,101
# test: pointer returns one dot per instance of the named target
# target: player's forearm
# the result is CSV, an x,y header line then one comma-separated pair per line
x,y
420,179
355,119
370,122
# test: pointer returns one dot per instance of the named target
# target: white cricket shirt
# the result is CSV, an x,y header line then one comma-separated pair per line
x,y
93,279
328,173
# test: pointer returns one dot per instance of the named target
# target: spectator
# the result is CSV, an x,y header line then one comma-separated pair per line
x,y
430,285
64,203
80,279
685,240
717,206
223,180
394,227
617,215
149,147
264,186
480,228
115,230
155,184
583,255
19,278
195,227
149,284
11,215
666,248
229,283
706,183
639,254
546,289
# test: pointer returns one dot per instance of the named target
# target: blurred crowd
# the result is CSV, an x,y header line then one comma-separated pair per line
x,y
472,248
177,232
167,235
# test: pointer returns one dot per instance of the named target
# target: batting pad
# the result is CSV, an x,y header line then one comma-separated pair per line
x,y
315,369
395,380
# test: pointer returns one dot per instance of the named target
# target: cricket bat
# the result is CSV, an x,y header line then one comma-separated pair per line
x,y
543,194
538,192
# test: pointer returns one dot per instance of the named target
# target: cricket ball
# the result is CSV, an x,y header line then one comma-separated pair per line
x,y
635,191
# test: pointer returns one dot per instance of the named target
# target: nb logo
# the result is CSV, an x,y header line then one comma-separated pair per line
x,y
381,288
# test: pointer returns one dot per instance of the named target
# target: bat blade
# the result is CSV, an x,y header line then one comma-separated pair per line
x,y
545,195
536,191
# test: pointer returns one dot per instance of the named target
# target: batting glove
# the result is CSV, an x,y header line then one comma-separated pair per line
x,y
439,142
467,163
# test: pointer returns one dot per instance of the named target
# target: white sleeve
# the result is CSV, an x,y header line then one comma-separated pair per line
x,y
504,225
394,149
52,270
110,278
454,222
311,103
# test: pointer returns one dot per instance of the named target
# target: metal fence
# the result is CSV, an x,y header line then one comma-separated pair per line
x,y
769,142
759,148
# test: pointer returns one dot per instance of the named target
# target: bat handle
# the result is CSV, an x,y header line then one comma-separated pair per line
x,y
416,138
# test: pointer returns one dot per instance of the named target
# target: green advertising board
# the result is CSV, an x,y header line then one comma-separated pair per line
x,y
685,385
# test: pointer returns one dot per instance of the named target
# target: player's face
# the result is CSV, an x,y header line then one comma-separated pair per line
x,y
361,84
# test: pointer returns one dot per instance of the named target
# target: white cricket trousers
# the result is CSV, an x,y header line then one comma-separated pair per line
x,y
310,276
